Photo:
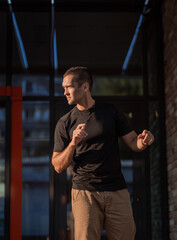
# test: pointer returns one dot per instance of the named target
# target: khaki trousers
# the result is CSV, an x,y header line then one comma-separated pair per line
x,y
92,210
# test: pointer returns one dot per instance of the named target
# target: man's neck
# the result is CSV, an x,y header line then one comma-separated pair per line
x,y
86,104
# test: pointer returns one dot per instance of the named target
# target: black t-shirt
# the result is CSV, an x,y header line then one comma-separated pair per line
x,y
97,161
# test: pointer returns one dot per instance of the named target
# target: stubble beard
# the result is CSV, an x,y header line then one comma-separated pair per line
x,y
71,101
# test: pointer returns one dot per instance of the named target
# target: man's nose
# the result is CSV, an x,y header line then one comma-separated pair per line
x,y
66,92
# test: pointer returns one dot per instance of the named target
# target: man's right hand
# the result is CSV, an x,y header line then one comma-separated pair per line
x,y
78,134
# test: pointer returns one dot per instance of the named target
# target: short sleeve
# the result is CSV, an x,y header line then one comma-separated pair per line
x,y
123,127
61,139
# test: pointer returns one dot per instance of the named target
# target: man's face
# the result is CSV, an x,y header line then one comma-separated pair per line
x,y
73,92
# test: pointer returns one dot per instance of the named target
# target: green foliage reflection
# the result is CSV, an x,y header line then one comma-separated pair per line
x,y
117,85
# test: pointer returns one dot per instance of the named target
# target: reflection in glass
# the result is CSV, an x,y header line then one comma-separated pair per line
x,y
32,85
2,169
59,91
110,86
117,85
2,79
35,200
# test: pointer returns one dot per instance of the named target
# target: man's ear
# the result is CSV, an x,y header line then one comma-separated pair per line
x,y
86,87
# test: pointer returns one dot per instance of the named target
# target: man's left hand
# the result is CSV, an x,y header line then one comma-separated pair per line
x,y
146,137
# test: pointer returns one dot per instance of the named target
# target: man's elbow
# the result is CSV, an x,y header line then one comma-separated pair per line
x,y
58,170
56,166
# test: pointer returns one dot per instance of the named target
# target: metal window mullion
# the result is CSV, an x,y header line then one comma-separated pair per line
x,y
9,47
7,168
51,174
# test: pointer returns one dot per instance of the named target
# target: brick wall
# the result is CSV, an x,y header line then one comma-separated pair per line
x,y
169,13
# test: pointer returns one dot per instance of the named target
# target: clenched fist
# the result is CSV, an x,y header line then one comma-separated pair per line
x,y
78,134
146,138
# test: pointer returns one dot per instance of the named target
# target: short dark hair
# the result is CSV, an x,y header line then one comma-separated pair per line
x,y
81,75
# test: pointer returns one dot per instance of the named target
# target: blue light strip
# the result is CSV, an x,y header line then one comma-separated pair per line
x,y
55,50
146,3
19,39
54,38
130,50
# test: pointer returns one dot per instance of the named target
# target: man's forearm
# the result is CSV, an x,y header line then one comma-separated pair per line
x,y
137,145
63,159
139,142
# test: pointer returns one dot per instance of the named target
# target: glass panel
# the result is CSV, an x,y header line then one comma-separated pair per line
x,y
30,57
152,58
109,86
2,169
59,91
117,85
33,28
101,42
3,27
2,79
32,85
96,39
35,200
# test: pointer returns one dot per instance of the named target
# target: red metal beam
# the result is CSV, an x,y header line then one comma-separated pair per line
x,y
16,160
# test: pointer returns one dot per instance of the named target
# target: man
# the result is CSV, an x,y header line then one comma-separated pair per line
x,y
88,136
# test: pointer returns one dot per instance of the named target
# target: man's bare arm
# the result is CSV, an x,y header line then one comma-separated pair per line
x,y
139,142
61,160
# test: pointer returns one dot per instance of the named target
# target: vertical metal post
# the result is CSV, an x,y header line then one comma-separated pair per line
x,y
7,168
146,103
9,47
16,165
51,67
162,127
